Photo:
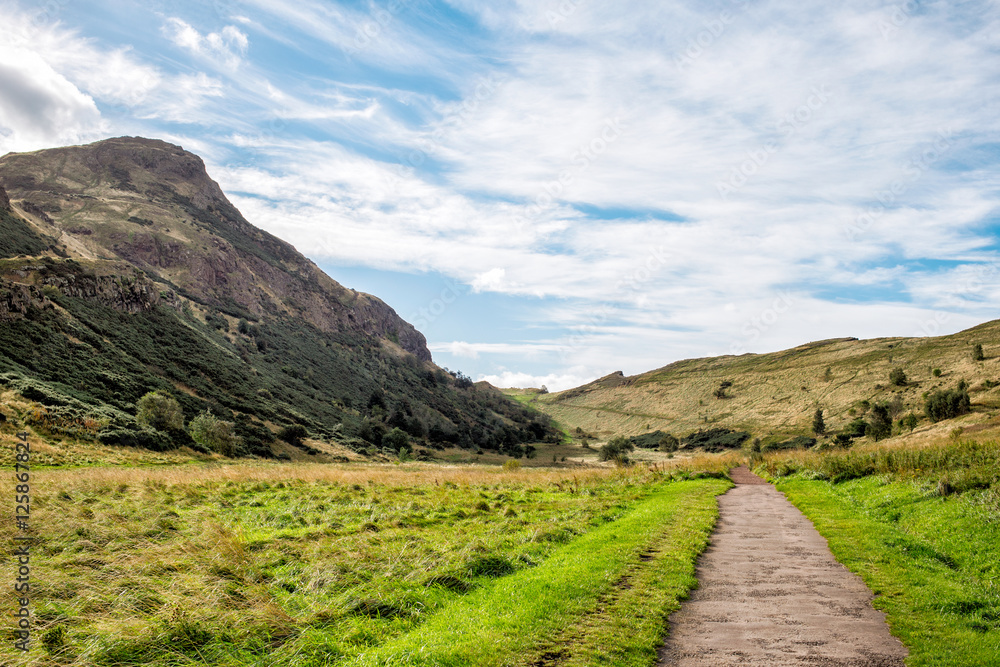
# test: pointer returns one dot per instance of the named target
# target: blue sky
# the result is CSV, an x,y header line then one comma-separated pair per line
x,y
553,190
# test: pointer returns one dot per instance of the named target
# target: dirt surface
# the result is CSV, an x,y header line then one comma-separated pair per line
x,y
770,593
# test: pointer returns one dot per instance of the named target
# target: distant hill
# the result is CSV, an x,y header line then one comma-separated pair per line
x,y
125,269
777,394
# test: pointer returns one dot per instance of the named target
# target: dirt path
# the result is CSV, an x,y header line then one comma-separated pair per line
x,y
770,593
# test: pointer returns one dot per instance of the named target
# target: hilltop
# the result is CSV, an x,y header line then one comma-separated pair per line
x,y
125,269
777,394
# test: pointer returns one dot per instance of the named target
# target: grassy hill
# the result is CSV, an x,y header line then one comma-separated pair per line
x,y
124,270
777,394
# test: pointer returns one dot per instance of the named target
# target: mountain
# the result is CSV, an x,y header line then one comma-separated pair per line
x,y
125,269
776,395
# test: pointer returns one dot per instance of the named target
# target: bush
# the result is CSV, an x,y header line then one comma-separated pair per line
x,y
668,443
977,352
946,404
716,439
857,428
396,440
138,438
217,435
160,412
616,449
936,372
293,435
897,377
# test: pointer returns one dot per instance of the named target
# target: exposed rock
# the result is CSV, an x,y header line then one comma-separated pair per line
x,y
17,299
211,251
4,200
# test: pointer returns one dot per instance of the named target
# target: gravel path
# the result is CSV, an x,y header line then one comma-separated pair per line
x,y
770,593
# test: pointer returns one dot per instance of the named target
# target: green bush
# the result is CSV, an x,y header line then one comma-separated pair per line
x,y
977,352
716,439
897,377
616,449
818,426
160,412
217,435
396,440
946,404
294,434
139,437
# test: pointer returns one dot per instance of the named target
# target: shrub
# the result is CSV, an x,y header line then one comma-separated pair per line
x,y
897,377
721,391
616,449
396,440
668,443
716,439
857,428
909,422
977,352
293,435
946,404
936,372
160,412
138,437
217,435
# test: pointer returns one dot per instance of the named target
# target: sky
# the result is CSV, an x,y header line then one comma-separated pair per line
x,y
554,190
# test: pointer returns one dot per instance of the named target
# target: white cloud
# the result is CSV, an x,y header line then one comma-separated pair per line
x,y
551,381
39,107
227,47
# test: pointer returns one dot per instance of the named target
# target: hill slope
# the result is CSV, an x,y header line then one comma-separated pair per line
x,y
124,269
778,393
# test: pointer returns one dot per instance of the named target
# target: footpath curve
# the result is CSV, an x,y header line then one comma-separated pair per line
x,y
771,593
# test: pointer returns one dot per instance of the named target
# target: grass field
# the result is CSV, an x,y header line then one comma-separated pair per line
x,y
254,564
921,526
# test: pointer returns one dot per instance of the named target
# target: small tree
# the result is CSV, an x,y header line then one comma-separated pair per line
x,y
819,426
217,435
977,352
160,412
881,424
897,376
396,440
947,404
616,449
909,422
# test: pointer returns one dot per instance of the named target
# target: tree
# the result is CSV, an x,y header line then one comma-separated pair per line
x,y
881,424
909,422
217,435
977,352
819,426
897,376
159,412
945,404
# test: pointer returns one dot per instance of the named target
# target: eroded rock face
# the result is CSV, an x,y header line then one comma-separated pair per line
x,y
17,299
4,200
163,214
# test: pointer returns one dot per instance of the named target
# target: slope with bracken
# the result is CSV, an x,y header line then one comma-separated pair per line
x,y
777,394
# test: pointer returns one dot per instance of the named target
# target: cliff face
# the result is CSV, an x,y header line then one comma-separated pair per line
x,y
4,200
153,205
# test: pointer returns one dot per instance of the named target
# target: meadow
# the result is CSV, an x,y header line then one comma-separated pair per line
x,y
254,563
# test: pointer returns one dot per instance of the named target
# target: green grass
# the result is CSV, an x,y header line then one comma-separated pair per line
x,y
252,564
932,561
499,625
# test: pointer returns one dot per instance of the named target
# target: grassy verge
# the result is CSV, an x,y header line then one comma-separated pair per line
x,y
584,581
922,528
248,564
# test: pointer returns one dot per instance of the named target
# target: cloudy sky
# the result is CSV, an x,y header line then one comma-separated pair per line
x,y
552,190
